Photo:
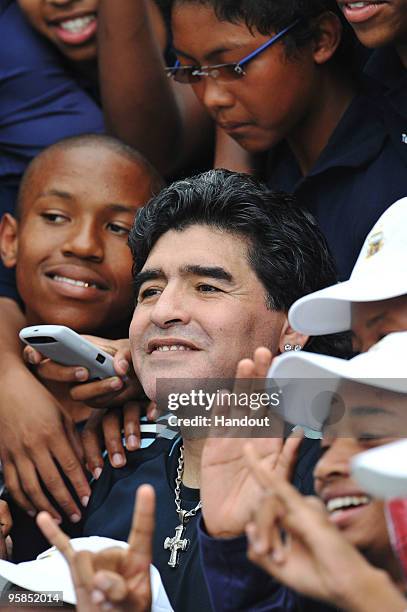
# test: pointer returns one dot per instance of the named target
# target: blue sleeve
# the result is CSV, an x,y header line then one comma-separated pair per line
x,y
8,196
41,102
8,287
234,583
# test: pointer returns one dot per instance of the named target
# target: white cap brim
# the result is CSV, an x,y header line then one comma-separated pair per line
x,y
305,377
328,311
50,572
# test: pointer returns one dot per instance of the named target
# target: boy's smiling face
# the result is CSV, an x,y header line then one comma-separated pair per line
x,y
70,249
70,26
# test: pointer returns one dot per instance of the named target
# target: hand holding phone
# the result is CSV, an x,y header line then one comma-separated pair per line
x,y
64,346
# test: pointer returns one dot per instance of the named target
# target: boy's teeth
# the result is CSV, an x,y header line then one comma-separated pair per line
x,y
173,347
361,5
77,25
346,502
71,281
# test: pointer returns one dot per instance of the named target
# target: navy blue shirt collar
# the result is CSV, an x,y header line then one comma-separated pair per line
x,y
357,139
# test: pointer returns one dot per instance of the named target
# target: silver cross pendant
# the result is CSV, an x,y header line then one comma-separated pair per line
x,y
176,544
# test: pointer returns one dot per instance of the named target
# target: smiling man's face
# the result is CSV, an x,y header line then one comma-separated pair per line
x,y
201,308
70,25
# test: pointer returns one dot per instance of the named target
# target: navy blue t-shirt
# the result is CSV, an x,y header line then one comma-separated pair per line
x,y
358,175
41,103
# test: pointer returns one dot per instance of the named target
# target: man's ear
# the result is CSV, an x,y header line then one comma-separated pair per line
x,y
8,240
327,38
290,339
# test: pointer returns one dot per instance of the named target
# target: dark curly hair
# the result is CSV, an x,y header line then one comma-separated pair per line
x,y
270,16
286,249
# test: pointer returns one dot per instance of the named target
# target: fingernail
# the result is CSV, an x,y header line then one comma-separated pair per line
x,y
97,472
31,513
75,518
124,365
117,460
259,547
104,582
132,442
277,555
153,414
31,357
116,384
85,501
97,596
81,374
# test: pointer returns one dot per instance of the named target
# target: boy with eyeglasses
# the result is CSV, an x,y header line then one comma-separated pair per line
x,y
283,77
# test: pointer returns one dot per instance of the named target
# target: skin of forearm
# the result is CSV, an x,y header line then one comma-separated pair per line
x,y
138,100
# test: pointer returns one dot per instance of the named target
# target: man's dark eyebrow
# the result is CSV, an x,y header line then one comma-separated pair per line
x,y
65,195
146,275
216,272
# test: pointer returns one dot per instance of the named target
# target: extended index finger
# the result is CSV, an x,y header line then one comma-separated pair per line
x,y
55,535
142,528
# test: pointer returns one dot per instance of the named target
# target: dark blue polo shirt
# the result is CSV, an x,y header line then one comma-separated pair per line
x,y
110,513
388,76
41,103
384,66
358,175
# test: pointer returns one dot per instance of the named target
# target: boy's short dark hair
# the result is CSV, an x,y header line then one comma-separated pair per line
x,y
93,140
286,249
272,16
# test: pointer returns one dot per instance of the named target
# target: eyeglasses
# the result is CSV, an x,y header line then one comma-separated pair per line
x,y
222,72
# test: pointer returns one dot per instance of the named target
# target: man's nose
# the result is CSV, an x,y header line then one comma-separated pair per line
x,y
84,242
170,308
215,96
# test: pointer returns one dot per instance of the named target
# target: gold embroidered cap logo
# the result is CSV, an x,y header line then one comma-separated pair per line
x,y
375,244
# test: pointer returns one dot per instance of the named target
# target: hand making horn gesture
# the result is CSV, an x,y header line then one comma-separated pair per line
x,y
115,576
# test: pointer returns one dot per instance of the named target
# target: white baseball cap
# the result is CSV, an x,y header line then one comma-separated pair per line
x,y
380,273
382,471
304,378
50,572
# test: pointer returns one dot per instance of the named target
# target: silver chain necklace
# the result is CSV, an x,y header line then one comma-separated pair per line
x,y
177,543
